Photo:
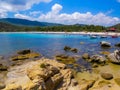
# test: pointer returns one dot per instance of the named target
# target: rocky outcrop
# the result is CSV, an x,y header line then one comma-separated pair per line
x,y
115,57
43,74
65,59
97,59
67,48
25,54
105,44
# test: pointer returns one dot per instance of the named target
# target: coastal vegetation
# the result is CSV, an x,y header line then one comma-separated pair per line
x,y
19,25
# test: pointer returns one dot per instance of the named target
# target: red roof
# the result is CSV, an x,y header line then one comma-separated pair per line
x,y
112,29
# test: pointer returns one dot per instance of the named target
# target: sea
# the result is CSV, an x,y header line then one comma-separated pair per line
x,y
49,44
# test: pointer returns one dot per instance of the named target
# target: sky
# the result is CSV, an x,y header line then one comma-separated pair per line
x,y
97,12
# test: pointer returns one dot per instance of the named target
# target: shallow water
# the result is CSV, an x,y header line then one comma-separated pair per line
x,y
51,44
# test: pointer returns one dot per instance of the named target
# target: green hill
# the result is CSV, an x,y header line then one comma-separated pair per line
x,y
24,22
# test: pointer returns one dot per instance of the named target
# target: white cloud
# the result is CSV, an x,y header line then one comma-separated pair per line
x,y
3,13
21,16
76,17
19,5
35,13
56,8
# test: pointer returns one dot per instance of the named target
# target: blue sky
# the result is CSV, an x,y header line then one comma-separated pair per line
x,y
97,12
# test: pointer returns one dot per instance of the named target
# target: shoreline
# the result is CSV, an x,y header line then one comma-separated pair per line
x,y
78,33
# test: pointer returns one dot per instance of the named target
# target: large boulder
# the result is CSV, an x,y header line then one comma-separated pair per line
x,y
98,59
107,76
115,57
105,44
31,76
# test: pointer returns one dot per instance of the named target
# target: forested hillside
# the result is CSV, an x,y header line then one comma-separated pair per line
x,y
66,28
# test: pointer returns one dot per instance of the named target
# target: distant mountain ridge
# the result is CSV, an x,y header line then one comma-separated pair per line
x,y
24,22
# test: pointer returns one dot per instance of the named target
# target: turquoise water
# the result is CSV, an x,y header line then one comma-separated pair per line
x,y
52,44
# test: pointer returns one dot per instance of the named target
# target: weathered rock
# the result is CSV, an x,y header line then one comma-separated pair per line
x,y
118,44
86,84
103,83
30,76
75,50
67,48
105,44
74,82
3,68
2,86
94,65
98,59
26,51
115,57
86,56
53,82
13,87
105,52
65,59
26,56
117,80
107,76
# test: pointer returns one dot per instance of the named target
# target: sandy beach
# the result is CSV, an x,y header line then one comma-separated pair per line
x,y
84,33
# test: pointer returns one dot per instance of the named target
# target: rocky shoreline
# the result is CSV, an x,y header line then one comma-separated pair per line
x,y
28,70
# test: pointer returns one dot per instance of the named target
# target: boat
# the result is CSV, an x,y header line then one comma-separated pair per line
x,y
93,36
103,36
114,36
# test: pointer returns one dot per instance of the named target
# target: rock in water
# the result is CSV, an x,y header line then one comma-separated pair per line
x,y
75,50
107,76
26,51
115,57
67,48
86,56
105,44
118,44
98,59
25,56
